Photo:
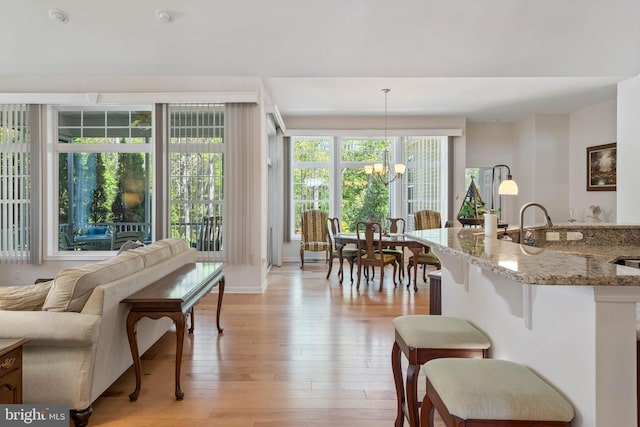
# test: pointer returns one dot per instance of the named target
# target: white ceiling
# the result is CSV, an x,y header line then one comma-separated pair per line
x,y
483,59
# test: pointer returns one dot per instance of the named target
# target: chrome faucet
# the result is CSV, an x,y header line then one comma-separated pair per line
x,y
529,238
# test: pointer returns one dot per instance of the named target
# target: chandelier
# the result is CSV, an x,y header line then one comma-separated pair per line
x,y
382,171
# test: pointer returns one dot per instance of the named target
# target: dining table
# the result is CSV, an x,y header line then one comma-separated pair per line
x,y
388,240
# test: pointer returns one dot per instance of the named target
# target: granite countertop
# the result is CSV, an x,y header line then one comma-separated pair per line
x,y
559,263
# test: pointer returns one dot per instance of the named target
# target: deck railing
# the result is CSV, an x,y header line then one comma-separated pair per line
x,y
190,232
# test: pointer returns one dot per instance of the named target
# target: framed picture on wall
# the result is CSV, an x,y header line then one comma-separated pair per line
x,y
601,167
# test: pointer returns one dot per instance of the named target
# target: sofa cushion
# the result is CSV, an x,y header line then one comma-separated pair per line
x,y
23,298
175,245
72,287
152,254
97,231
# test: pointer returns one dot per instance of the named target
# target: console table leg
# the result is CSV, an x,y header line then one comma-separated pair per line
x,y
132,318
220,295
416,253
179,320
191,326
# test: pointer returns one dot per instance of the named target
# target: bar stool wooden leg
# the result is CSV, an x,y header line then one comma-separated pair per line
x,y
412,394
427,412
396,366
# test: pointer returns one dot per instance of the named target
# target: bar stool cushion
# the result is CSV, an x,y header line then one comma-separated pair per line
x,y
429,331
489,389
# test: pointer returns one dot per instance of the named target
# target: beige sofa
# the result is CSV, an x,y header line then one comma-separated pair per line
x,y
77,344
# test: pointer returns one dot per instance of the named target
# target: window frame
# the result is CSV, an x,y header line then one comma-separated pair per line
x,y
53,148
308,165
418,204
399,205
217,254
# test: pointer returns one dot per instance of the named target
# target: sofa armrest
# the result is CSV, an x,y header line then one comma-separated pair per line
x,y
53,329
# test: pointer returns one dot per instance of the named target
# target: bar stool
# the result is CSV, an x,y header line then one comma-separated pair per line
x,y
422,338
468,392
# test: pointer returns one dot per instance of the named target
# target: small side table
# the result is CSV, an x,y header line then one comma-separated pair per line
x,y
11,371
435,292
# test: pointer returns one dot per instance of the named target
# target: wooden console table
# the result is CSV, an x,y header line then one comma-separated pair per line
x,y
11,371
173,296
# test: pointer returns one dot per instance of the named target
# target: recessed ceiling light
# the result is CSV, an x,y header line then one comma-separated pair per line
x,y
58,15
164,16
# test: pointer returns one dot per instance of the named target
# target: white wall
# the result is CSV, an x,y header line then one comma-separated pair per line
x,y
628,203
128,84
541,157
552,165
595,125
363,123
490,144
548,157
524,159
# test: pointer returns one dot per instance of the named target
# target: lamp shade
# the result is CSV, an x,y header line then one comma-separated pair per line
x,y
368,169
508,187
399,168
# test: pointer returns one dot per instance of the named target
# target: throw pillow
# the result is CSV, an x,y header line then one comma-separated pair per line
x,y
130,244
23,298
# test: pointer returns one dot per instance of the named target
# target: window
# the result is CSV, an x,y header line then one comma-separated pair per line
x,y
104,163
196,147
310,181
356,197
363,197
104,175
15,184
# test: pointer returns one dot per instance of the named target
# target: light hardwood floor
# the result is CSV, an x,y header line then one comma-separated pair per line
x,y
307,352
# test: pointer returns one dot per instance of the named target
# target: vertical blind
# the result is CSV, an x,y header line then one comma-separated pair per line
x,y
241,121
15,184
196,176
426,186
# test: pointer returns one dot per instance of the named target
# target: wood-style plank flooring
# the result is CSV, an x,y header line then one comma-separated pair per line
x,y
307,352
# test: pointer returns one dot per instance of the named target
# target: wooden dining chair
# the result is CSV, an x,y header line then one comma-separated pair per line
x,y
350,254
369,238
396,226
424,220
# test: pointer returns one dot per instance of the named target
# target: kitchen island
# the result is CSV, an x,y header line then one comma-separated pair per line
x,y
571,318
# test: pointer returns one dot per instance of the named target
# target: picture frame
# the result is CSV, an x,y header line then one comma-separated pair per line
x,y
601,167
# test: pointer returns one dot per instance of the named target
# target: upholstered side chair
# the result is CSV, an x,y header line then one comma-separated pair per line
x,y
424,220
314,234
